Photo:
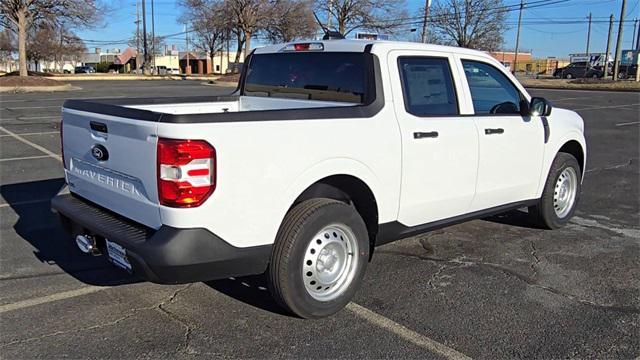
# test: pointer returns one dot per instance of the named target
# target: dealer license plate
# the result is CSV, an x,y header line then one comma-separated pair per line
x,y
118,255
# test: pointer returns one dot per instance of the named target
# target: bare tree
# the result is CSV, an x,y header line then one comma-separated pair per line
x,y
350,15
22,15
291,20
248,17
209,22
154,47
41,44
476,24
7,45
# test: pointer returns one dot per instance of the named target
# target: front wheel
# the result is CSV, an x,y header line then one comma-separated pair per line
x,y
568,76
319,258
561,193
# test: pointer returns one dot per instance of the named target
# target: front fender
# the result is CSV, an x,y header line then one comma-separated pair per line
x,y
553,147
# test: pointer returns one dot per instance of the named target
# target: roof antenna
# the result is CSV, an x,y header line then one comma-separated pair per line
x,y
328,34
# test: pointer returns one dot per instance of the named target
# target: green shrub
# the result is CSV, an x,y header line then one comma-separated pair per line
x,y
103,67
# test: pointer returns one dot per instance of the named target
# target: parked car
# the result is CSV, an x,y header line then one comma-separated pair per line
x,y
84,70
578,70
326,150
173,71
627,71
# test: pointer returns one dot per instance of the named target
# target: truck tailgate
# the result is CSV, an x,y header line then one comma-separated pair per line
x,y
111,161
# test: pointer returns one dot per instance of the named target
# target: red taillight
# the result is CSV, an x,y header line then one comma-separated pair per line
x,y
186,172
301,47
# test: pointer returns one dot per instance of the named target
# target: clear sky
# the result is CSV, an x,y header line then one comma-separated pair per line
x,y
554,28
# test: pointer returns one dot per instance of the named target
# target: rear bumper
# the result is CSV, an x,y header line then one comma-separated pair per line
x,y
168,255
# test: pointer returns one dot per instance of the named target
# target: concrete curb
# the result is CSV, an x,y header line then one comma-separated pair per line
x,y
128,77
221,83
26,89
583,88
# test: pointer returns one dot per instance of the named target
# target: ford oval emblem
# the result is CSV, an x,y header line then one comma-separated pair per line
x,y
100,152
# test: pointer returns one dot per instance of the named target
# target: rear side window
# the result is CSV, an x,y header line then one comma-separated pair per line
x,y
328,76
427,86
491,91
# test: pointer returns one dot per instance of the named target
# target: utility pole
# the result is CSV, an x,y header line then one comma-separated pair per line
x,y
616,65
187,68
427,5
589,34
588,41
144,38
606,62
638,36
228,54
329,16
515,59
633,38
153,39
137,35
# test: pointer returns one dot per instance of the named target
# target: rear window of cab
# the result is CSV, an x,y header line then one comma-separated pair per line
x,y
327,76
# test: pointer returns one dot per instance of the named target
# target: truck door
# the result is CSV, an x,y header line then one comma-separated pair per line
x,y
511,145
439,147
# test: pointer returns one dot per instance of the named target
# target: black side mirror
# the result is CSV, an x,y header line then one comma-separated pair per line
x,y
540,107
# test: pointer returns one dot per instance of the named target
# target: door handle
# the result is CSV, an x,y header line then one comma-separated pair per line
x,y
422,135
493,131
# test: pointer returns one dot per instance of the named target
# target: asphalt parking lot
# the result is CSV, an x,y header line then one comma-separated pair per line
x,y
492,288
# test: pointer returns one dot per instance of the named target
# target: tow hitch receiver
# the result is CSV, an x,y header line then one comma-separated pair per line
x,y
87,244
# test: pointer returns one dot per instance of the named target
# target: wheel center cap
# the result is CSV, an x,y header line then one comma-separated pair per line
x,y
327,260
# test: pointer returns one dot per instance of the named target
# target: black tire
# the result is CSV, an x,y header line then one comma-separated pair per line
x,y
297,231
543,213
568,76
622,75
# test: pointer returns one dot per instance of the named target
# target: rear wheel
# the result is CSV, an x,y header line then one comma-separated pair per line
x,y
568,76
561,193
319,258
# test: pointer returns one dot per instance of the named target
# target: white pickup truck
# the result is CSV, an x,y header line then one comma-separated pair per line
x,y
325,150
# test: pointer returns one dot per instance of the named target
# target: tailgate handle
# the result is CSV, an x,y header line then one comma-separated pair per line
x,y
98,126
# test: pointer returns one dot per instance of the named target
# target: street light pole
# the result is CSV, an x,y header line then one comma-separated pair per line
x,y
515,59
588,34
606,62
153,39
616,66
427,5
144,38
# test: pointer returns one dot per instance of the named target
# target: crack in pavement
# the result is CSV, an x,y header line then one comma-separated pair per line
x,y
131,313
435,275
186,343
528,281
534,253
613,167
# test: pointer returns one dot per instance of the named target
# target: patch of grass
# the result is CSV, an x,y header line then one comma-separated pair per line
x,y
582,84
19,81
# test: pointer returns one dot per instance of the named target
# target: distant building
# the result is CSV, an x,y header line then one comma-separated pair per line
x,y
507,57
200,62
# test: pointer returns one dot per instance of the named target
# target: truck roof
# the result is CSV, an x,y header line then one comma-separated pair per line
x,y
378,46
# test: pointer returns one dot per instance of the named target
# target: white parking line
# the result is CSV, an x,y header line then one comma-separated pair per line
x,y
32,107
607,107
20,138
19,203
33,117
25,158
50,298
33,133
565,99
405,333
629,123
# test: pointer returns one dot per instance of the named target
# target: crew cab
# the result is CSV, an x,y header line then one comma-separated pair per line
x,y
326,150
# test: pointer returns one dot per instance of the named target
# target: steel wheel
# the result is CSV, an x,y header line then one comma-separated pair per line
x,y
330,262
565,191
